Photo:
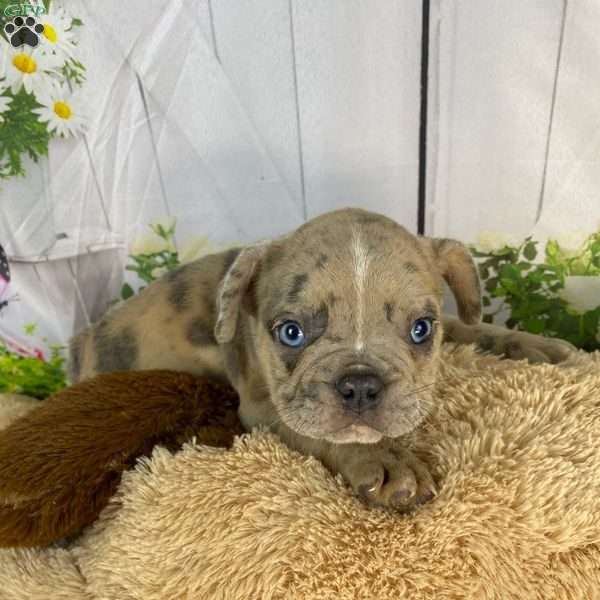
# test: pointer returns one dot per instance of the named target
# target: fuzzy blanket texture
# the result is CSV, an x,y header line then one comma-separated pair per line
x,y
515,449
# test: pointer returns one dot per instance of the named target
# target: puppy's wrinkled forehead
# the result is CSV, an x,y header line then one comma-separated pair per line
x,y
349,256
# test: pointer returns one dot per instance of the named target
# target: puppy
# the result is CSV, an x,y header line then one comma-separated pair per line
x,y
331,336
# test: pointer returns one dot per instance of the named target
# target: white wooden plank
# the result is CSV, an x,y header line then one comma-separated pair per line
x,y
254,44
496,63
193,192
358,84
572,192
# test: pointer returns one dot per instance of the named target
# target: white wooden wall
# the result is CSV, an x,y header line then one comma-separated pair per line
x,y
243,119
514,141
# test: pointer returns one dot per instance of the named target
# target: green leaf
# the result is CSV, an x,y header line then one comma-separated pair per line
x,y
510,272
523,266
21,133
31,376
510,285
535,325
73,71
477,253
552,250
530,251
29,328
127,291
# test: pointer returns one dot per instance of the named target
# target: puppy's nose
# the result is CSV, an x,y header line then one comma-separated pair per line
x,y
359,390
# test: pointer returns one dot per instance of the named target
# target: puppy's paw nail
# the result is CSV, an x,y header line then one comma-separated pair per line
x,y
367,490
426,497
400,498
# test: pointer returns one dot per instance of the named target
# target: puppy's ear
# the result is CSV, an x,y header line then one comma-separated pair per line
x,y
458,268
233,287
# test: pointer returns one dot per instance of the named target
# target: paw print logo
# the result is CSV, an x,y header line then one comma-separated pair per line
x,y
22,31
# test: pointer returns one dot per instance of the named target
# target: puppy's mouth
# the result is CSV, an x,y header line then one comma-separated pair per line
x,y
357,432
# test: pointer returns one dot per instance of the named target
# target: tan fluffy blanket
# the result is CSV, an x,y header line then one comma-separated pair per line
x,y
515,448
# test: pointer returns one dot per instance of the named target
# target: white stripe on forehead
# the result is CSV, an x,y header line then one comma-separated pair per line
x,y
361,267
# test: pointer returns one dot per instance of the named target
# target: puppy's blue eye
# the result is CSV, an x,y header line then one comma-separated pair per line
x,y
290,334
421,330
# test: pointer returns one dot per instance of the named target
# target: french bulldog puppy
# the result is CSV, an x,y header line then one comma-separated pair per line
x,y
331,336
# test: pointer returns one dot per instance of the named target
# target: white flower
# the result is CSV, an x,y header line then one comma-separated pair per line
x,y
62,110
149,243
572,243
4,106
196,248
30,68
57,37
167,223
493,241
159,272
581,292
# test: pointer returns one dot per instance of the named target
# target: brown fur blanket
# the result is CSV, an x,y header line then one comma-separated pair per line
x,y
61,462
515,449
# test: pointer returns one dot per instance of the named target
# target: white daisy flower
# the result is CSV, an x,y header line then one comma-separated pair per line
x,y
4,106
148,243
582,292
57,36
572,243
29,68
158,272
62,110
491,242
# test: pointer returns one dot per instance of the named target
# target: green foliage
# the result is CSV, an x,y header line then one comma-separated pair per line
x,y
584,262
30,328
150,265
73,72
530,291
31,376
21,133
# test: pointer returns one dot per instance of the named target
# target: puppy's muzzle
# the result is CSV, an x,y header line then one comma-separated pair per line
x,y
359,391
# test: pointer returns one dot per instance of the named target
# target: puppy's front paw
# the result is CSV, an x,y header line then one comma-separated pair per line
x,y
391,477
520,345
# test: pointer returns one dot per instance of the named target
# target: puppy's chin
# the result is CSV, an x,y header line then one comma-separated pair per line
x,y
355,433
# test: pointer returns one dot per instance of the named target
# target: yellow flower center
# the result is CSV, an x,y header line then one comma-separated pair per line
x,y
62,109
50,33
24,63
